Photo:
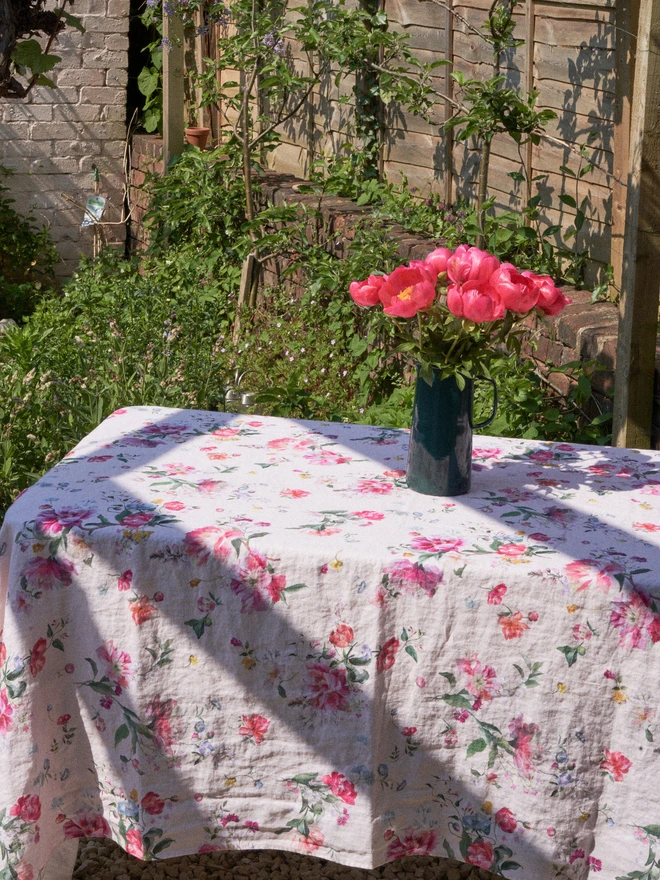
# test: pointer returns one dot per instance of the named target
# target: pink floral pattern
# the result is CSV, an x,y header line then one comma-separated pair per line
x,y
253,622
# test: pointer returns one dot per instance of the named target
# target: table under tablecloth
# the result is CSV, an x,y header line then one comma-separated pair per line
x,y
224,631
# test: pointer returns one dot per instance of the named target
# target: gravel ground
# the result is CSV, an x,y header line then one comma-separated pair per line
x,y
105,860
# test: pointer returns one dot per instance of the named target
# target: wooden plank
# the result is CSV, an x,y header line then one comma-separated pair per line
x,y
430,39
640,282
595,67
573,13
412,148
530,30
173,88
626,20
580,99
449,110
416,12
556,32
421,178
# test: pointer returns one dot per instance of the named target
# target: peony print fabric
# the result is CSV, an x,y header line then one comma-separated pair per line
x,y
225,631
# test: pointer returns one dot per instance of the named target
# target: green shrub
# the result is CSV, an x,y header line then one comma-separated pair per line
x,y
27,257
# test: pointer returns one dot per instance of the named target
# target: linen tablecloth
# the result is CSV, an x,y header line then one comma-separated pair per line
x,y
225,631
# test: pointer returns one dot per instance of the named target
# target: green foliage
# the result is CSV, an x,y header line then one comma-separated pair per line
x,y
528,406
150,78
27,257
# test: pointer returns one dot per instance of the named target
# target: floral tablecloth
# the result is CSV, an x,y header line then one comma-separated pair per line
x,y
224,631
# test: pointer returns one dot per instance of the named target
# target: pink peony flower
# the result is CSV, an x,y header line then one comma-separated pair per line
x,y
200,544
341,787
551,300
124,582
52,522
365,293
474,303
496,595
412,578
38,657
258,587
152,803
585,573
439,259
436,545
44,573
469,264
635,621
482,680
515,291
312,841
27,808
511,550
616,764
159,712
328,687
86,825
254,727
134,843
480,854
523,735
412,842
342,636
174,505
136,520
506,820
117,664
371,515
211,847
406,291
387,655
6,711
294,493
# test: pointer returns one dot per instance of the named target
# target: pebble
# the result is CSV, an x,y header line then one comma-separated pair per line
x,y
104,860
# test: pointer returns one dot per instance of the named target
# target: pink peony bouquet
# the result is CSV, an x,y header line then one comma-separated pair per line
x,y
455,309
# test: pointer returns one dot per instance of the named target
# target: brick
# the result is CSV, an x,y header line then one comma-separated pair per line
x,y
32,183
118,8
23,149
117,78
19,164
103,24
65,233
93,41
77,148
107,131
113,113
102,59
52,131
102,95
77,113
81,77
56,165
105,165
14,131
114,149
18,112
116,42
592,339
575,317
66,95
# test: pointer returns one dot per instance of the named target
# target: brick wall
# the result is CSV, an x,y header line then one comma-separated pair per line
x,y
52,139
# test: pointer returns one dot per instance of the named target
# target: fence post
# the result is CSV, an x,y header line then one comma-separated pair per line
x,y
449,135
173,88
640,279
530,22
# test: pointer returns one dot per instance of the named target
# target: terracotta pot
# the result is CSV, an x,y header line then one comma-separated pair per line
x,y
197,136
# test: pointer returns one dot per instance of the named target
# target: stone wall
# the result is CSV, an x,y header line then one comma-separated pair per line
x,y
52,140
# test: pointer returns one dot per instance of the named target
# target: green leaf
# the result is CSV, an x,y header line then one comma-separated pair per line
x,y
411,651
458,701
162,844
304,778
73,21
121,733
477,745
198,626
568,200
652,830
56,643
451,678
147,81
28,53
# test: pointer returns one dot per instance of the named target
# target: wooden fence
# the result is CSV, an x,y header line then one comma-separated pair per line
x,y
576,54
